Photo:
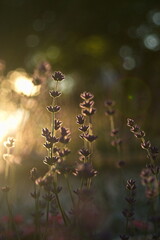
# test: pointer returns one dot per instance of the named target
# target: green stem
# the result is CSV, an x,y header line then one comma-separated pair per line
x,y
89,181
69,188
53,114
37,223
82,183
59,204
115,137
7,165
126,225
6,171
11,217
47,219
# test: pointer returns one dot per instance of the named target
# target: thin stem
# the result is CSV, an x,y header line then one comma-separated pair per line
x,y
69,188
127,225
11,217
47,219
53,114
82,183
90,126
59,204
89,181
37,223
6,171
115,137
7,166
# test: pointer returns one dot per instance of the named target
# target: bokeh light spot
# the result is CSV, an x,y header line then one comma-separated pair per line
x,y
53,52
94,46
25,86
32,40
156,18
38,25
125,51
152,42
9,122
129,63
22,83
130,97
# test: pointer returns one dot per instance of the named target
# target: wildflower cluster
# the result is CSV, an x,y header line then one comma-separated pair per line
x,y
85,219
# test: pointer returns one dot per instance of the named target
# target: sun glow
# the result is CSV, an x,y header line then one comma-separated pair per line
x,y
9,123
22,83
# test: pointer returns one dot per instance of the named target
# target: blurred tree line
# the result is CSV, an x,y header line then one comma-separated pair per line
x,y
108,47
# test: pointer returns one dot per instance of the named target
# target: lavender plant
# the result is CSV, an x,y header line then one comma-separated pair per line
x,y
116,140
51,218
149,176
84,167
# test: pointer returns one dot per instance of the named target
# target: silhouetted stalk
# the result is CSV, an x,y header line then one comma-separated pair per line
x,y
7,167
11,216
115,136
156,174
53,113
59,204
37,222
69,188
89,181
82,183
47,219
7,172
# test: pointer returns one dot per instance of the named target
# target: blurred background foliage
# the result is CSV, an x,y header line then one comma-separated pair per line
x,y
110,48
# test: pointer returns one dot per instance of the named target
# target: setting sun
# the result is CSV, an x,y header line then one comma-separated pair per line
x,y
24,85
10,122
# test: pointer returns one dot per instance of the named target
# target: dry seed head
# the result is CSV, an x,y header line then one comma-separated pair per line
x,y
10,143
58,76
33,174
7,157
80,119
130,122
54,94
83,128
90,138
88,112
36,81
86,95
53,108
5,189
109,103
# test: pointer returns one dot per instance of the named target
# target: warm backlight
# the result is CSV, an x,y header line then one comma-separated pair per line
x,y
10,122
25,86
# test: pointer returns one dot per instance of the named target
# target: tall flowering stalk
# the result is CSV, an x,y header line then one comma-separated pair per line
x,y
152,151
9,144
5,191
116,140
128,212
84,167
58,135
36,196
150,174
